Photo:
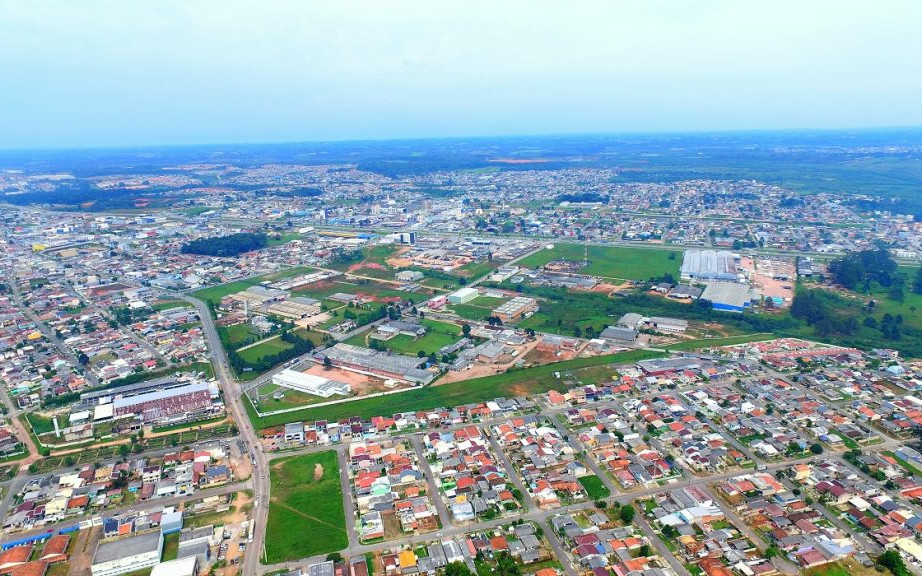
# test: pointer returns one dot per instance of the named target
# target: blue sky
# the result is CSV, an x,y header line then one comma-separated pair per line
x,y
115,73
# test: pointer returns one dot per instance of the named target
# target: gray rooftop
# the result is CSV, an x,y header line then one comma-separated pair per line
x,y
109,550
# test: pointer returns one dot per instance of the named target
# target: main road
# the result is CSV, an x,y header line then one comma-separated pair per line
x,y
233,401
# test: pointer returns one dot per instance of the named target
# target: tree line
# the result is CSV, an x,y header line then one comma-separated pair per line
x,y
230,245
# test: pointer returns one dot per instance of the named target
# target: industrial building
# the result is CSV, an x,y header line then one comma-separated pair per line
x,y
515,308
295,308
620,336
711,265
662,324
180,567
171,403
728,297
383,364
409,276
463,295
310,384
127,554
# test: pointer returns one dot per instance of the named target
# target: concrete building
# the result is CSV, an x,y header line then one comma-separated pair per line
x,y
128,554
710,265
164,404
728,297
663,324
383,364
310,384
179,567
409,276
620,336
515,308
463,295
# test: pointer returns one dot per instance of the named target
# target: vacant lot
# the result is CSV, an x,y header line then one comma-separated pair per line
x,y
595,488
623,263
306,515
521,382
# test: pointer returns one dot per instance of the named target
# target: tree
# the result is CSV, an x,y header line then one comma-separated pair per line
x,y
457,569
892,561
917,282
327,363
506,565
465,331
627,514
334,557
772,551
645,550
816,448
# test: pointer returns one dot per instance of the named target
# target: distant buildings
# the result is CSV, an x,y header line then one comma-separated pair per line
x,y
463,295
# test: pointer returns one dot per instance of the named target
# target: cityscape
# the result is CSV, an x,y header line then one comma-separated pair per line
x,y
460,289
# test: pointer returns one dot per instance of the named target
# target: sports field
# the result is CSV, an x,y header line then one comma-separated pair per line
x,y
306,516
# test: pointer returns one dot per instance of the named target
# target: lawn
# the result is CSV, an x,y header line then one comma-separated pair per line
x,y
170,547
306,516
40,424
624,263
267,348
595,488
237,334
712,342
520,382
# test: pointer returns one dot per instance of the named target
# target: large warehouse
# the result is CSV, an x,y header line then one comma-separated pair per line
x,y
710,265
727,296
168,402
383,364
128,554
310,384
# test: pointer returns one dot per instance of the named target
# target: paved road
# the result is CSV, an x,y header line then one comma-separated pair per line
x,y
348,501
233,401
661,548
434,495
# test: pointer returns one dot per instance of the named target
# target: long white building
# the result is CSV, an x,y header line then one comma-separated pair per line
x,y
310,384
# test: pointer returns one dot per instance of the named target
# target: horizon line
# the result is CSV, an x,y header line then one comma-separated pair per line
x,y
129,147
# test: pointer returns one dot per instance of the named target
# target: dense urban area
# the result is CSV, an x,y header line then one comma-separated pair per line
x,y
532,367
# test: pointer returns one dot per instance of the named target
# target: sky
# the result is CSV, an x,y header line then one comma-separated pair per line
x,y
123,73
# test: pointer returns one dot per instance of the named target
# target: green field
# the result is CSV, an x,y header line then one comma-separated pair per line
x,y
438,335
306,516
525,381
595,488
40,424
267,348
619,262
712,342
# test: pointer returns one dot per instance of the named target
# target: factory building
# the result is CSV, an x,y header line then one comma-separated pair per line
x,y
310,384
710,265
127,554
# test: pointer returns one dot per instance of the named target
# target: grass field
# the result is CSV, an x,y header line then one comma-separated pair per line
x,y
620,262
534,380
595,488
267,348
438,335
40,424
306,516
729,341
